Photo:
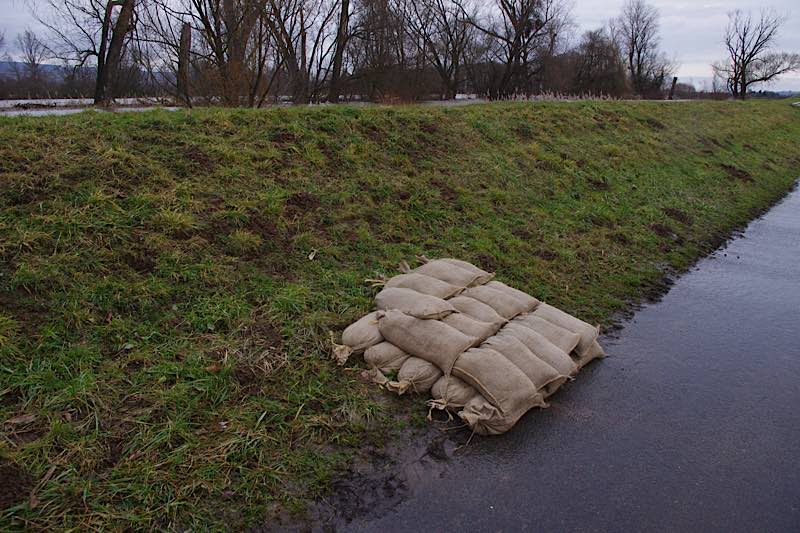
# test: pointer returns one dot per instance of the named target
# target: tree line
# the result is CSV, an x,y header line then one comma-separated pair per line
x,y
254,52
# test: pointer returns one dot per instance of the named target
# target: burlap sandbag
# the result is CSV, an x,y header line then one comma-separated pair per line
x,y
542,348
486,419
385,356
416,375
504,304
587,333
452,274
563,338
467,325
362,334
424,285
475,309
482,275
431,340
452,393
524,298
413,303
498,380
546,378
595,351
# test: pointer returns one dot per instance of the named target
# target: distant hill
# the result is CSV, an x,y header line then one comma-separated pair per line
x,y
9,69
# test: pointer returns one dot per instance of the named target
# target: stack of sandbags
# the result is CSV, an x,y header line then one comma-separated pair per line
x,y
481,348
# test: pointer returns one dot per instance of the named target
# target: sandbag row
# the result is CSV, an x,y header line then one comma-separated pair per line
x,y
480,347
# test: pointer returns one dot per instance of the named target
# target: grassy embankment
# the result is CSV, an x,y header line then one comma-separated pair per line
x,y
164,334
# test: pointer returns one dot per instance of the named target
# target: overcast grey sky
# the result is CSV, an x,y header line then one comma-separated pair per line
x,y
691,29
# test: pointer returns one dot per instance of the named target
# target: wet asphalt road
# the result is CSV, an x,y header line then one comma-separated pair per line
x,y
692,424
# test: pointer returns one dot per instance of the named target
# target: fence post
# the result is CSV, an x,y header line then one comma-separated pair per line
x,y
183,63
672,89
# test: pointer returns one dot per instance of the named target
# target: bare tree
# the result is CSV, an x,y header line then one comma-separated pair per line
x,y
637,33
751,59
247,49
33,53
305,39
442,35
385,64
599,69
229,55
520,33
90,33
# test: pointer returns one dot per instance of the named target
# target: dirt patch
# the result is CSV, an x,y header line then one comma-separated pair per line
x,y
599,184
249,381
351,221
119,428
266,332
678,215
429,127
259,225
23,435
661,230
620,238
283,137
446,191
523,233
29,314
609,116
140,261
27,191
276,265
259,354
15,484
709,142
654,124
134,366
115,450
547,255
735,173
671,237
393,237
488,262
381,476
303,201
403,195
198,157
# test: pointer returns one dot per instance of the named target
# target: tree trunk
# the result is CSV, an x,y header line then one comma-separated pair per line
x,y
101,53
183,64
672,89
743,85
106,75
338,57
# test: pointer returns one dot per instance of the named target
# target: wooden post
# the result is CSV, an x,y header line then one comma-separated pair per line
x,y
183,64
672,89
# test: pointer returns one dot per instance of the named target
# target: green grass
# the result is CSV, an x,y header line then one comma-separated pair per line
x,y
162,321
